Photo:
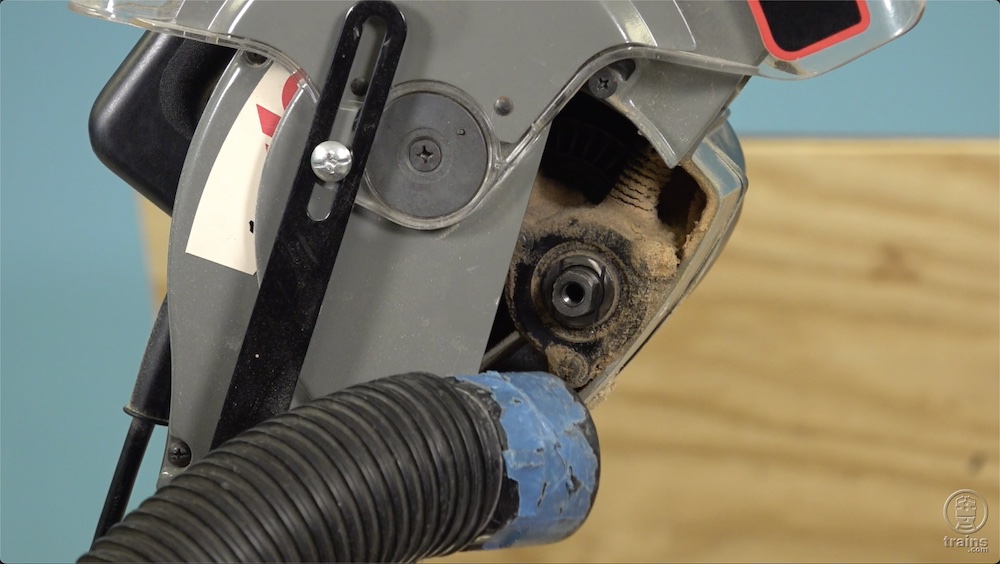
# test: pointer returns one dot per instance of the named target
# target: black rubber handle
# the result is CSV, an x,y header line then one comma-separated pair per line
x,y
142,122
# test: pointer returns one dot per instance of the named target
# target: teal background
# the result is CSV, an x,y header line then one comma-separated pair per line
x,y
74,300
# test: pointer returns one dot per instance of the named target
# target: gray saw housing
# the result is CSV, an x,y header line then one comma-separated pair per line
x,y
459,219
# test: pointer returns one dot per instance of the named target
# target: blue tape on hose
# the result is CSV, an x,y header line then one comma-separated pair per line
x,y
552,454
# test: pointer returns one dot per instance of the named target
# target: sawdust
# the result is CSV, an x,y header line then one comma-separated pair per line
x,y
601,394
628,231
701,221
568,364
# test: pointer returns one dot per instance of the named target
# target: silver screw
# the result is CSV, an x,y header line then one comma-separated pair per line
x,y
425,155
331,161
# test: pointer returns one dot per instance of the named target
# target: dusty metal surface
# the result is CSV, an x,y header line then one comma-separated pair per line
x,y
640,230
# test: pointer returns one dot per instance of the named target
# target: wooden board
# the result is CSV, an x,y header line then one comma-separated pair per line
x,y
832,381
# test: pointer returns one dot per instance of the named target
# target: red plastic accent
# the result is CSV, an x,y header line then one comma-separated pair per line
x,y
778,52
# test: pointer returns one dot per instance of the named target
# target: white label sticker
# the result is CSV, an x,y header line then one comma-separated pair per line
x,y
222,230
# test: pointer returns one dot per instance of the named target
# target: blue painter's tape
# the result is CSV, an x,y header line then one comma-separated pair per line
x,y
552,454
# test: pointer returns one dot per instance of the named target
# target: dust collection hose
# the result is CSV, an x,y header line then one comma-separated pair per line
x,y
398,469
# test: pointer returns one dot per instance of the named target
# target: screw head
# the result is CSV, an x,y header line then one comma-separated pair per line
x,y
604,83
254,59
331,161
359,86
179,454
503,106
425,155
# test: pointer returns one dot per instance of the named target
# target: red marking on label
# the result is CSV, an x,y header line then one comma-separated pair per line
x,y
268,120
289,89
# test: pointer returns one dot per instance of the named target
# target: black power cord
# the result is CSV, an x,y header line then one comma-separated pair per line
x,y
149,406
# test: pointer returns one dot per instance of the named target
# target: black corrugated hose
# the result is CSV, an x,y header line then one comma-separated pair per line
x,y
398,469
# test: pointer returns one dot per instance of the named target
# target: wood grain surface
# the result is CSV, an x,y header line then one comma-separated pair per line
x,y
832,381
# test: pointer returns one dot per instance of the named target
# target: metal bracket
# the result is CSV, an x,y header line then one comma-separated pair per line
x,y
305,250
